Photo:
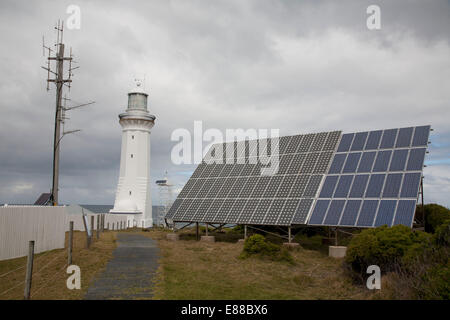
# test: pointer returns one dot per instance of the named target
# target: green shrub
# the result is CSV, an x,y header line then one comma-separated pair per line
x,y
436,283
442,234
258,245
384,247
435,215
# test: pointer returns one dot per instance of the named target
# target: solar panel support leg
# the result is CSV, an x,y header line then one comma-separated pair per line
x,y
206,226
196,231
245,231
289,234
336,236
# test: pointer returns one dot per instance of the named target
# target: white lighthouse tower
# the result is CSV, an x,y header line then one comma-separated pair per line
x,y
133,195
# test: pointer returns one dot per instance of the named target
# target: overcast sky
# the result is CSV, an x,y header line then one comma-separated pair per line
x,y
300,66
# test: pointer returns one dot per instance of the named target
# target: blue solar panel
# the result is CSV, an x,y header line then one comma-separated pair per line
x,y
352,162
410,186
359,141
416,158
385,212
382,161
375,184
398,161
405,212
388,139
334,212
421,136
346,141
366,163
350,213
319,211
359,186
328,187
392,185
343,186
367,214
338,162
404,137
373,141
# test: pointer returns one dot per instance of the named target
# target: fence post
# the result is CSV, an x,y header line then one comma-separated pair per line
x,y
92,226
69,254
103,223
98,226
108,226
29,273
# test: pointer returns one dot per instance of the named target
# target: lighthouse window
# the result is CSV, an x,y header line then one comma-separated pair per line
x,y
130,193
132,155
132,137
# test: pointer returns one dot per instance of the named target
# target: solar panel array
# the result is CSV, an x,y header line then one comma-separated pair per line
x,y
362,179
373,179
234,190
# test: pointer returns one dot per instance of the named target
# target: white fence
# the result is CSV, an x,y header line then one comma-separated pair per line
x,y
43,224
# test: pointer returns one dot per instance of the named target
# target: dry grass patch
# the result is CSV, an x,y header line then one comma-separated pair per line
x,y
49,271
200,270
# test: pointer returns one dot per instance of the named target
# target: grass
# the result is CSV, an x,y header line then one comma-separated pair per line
x,y
49,271
200,270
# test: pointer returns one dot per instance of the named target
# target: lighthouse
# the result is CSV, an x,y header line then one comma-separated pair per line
x,y
133,195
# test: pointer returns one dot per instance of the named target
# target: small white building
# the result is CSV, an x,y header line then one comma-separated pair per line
x,y
133,195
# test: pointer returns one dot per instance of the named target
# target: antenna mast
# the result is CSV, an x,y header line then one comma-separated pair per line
x,y
57,77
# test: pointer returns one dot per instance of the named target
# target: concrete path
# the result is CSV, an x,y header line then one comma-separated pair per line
x,y
129,274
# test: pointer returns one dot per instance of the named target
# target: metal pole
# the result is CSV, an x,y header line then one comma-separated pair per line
x,y
196,231
92,226
206,225
336,237
422,205
245,231
98,227
70,248
29,273
289,234
57,136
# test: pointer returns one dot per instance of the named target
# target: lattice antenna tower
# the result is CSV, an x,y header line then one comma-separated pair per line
x,y
166,199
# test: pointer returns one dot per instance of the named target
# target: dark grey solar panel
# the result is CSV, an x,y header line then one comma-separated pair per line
x,y
359,141
319,141
285,186
247,170
392,185
367,213
226,187
420,137
310,162
405,212
173,208
187,187
359,186
237,169
284,143
388,139
294,144
346,142
410,186
319,211
274,211
332,139
226,169
323,162
192,209
334,212
375,185
299,186
385,213
301,213
382,161
260,211
338,163
273,186
236,210
343,186
416,159
198,170
398,161
217,169
248,187
202,210
207,171
195,188
373,141
285,162
237,187
328,187
296,163
366,163
247,211
212,210
205,188
286,215
313,186
260,187
352,162
404,137
222,213
306,143
350,213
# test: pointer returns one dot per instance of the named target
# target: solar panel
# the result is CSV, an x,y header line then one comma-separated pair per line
x,y
362,179
379,186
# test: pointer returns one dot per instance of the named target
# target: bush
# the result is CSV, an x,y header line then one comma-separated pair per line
x,y
384,247
435,215
259,246
442,234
